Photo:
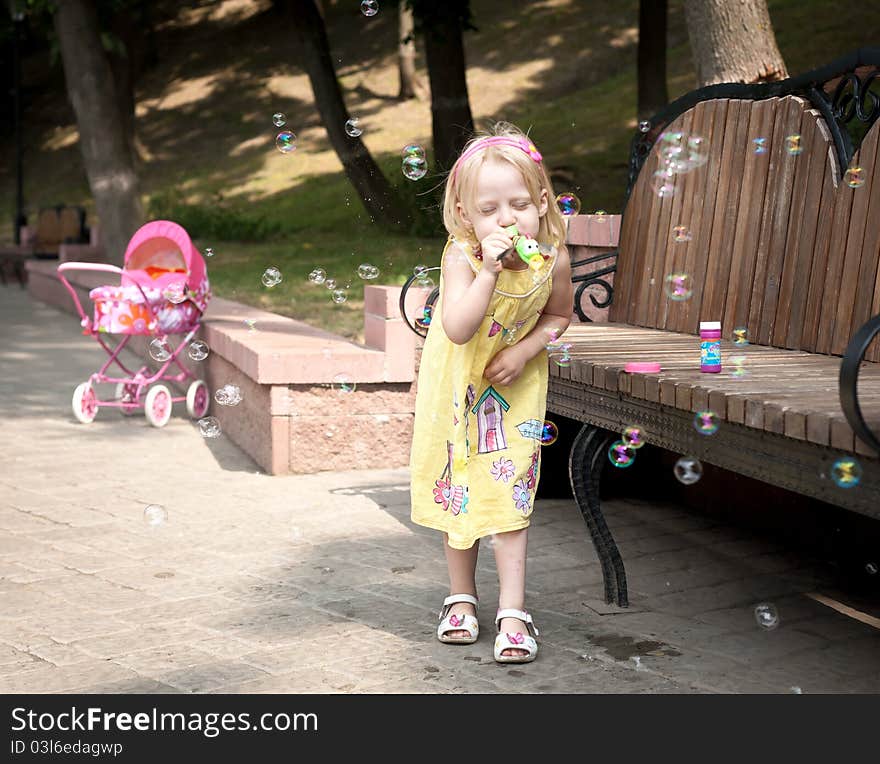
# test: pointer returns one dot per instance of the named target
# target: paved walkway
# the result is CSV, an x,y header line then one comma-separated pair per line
x,y
321,584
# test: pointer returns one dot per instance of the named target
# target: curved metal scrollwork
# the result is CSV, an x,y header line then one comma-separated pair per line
x,y
849,380
593,278
419,328
845,105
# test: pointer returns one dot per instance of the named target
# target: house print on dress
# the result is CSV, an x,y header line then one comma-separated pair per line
x,y
490,421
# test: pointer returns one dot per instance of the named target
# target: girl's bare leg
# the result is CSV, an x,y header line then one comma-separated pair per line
x,y
462,565
510,559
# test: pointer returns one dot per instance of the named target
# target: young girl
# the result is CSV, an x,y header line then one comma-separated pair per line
x,y
482,389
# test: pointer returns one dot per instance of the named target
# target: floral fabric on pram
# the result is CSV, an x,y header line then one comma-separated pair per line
x,y
121,310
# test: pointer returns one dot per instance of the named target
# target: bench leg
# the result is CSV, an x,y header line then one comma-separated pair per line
x,y
585,464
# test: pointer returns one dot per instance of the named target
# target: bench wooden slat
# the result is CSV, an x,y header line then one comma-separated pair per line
x,y
719,261
745,242
774,221
674,254
855,239
842,207
798,270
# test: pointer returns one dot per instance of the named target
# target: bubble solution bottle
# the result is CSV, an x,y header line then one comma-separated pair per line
x,y
710,346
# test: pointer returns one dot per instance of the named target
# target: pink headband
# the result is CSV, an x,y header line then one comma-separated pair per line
x,y
523,144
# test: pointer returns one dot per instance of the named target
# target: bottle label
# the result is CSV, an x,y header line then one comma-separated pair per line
x,y
710,353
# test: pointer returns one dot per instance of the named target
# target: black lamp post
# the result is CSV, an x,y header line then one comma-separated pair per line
x,y
17,21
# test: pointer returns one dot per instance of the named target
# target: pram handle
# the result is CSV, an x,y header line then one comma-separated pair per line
x,y
105,267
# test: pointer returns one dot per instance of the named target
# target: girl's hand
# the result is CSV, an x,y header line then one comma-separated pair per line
x,y
492,246
506,367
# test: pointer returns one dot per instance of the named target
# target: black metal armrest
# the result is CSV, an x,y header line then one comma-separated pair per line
x,y
849,380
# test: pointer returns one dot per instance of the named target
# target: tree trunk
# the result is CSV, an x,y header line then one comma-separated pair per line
x,y
105,147
410,87
451,121
371,185
653,94
125,67
733,41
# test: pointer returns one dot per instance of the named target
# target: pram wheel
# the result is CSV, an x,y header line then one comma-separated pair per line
x,y
128,395
157,405
85,403
197,399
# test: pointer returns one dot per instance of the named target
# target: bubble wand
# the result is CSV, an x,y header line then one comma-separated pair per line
x,y
525,246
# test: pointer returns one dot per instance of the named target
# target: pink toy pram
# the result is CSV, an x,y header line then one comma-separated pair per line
x,y
163,291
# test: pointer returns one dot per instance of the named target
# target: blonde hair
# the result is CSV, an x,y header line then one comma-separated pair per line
x,y
461,185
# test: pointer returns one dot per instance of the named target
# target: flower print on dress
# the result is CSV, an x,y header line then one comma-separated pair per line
x,y
503,469
521,496
532,473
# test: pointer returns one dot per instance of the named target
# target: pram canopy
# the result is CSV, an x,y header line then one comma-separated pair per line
x,y
159,260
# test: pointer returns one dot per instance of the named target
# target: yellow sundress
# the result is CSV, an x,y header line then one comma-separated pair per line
x,y
476,449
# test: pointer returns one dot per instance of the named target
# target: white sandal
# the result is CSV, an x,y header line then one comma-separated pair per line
x,y
452,622
518,641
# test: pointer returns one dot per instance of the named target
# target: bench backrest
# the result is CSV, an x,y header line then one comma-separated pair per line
x,y
780,243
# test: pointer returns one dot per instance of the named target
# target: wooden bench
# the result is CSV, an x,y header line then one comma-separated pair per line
x,y
780,244
55,226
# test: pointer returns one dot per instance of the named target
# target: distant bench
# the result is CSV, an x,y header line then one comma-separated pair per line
x,y
55,226
780,245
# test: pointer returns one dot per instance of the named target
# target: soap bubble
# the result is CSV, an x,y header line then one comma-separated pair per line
x,y
741,335
846,472
209,252
766,615
351,127
285,141
414,167
338,296
621,455
739,366
855,177
688,470
663,183
423,318
228,395
370,7
175,292
420,272
343,383
279,119
367,271
568,204
318,276
160,350
549,433
330,284
681,233
644,126
678,287
871,568
250,324
793,145
209,427
413,150
633,436
198,350
271,277
706,422
759,145
155,515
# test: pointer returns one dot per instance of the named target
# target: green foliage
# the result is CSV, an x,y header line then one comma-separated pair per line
x,y
213,220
